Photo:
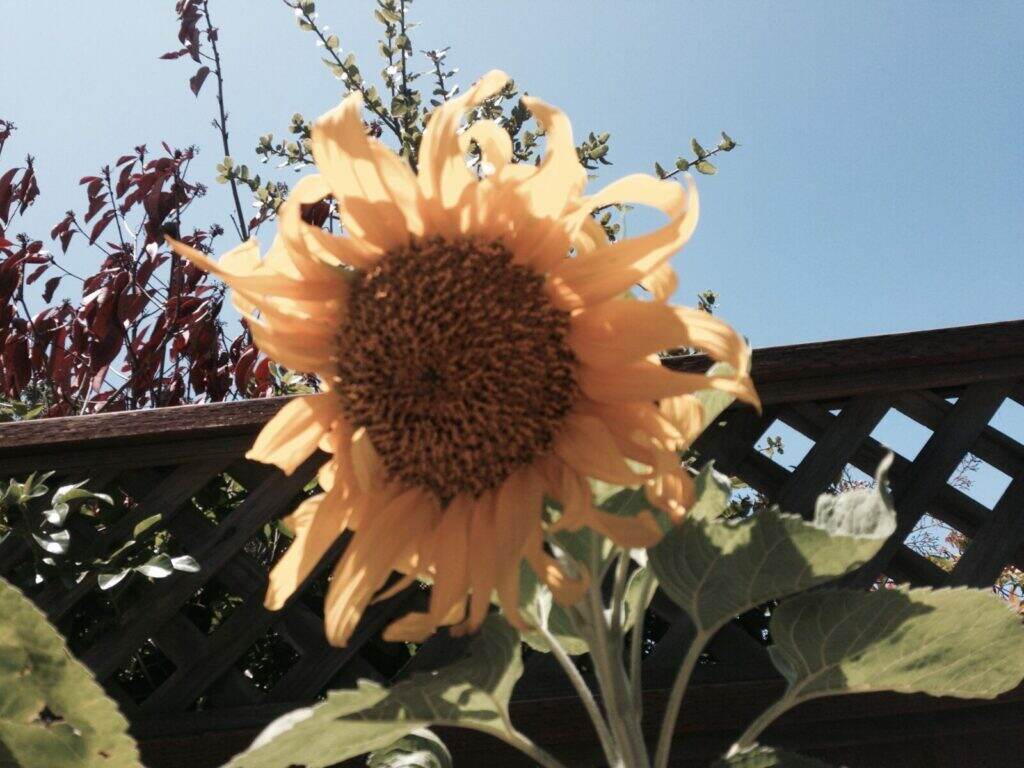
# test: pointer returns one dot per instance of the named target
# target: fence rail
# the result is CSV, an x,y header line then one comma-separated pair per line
x,y
837,395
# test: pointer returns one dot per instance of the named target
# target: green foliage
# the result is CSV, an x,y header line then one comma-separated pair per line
x,y
717,568
26,513
471,693
420,749
767,757
944,642
52,711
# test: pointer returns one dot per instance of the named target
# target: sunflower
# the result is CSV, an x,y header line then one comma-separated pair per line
x,y
477,356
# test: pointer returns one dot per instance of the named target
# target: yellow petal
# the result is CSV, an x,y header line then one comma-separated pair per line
x,y
451,560
494,142
565,589
292,435
611,270
304,351
621,331
661,283
686,414
483,575
443,175
586,445
550,192
370,558
312,245
517,518
672,492
261,283
644,381
317,523
378,199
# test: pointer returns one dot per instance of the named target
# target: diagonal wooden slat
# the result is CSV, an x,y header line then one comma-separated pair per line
x,y
992,446
307,678
996,543
830,453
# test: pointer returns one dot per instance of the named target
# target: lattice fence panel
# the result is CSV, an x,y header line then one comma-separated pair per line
x,y
174,674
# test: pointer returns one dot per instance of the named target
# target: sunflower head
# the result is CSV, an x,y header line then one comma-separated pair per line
x,y
476,356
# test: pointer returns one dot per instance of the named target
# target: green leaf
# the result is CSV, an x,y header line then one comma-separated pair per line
x,y
157,567
420,749
707,168
472,693
110,580
713,491
185,563
715,569
661,172
767,757
698,150
145,525
944,642
52,711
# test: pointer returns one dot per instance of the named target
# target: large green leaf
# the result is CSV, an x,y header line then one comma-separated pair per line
x,y
420,749
52,711
767,757
471,693
715,569
945,642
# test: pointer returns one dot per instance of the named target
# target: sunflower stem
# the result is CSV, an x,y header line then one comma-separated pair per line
x,y
675,699
586,696
606,653
637,644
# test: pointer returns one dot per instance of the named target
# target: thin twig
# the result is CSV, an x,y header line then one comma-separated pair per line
x,y
222,124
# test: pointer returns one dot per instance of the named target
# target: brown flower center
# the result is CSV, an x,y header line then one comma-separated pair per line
x,y
456,363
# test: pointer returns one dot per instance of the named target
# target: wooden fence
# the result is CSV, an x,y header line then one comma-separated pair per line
x,y
200,704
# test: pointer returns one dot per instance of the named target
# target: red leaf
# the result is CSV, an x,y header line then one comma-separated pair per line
x,y
243,369
124,180
170,55
95,206
37,273
49,287
196,81
100,225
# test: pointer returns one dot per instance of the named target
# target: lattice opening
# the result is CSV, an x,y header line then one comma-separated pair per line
x,y
388,659
852,477
1009,419
938,541
219,497
901,434
211,605
784,445
146,670
979,480
267,660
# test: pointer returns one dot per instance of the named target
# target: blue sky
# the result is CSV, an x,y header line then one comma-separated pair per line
x,y
879,186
